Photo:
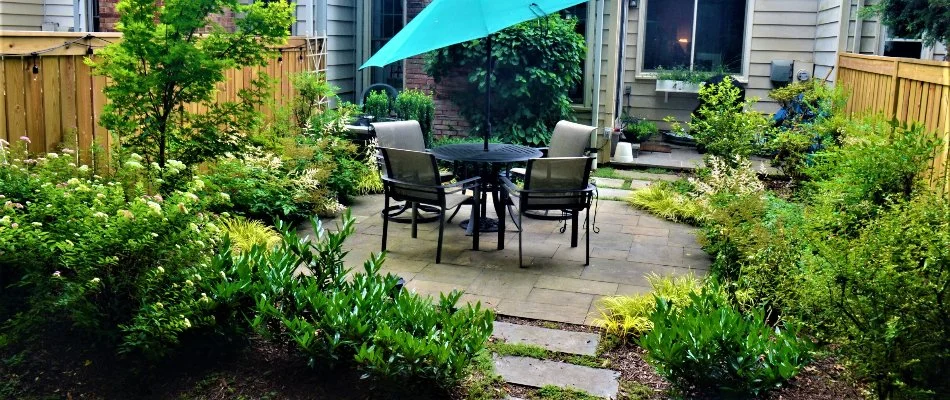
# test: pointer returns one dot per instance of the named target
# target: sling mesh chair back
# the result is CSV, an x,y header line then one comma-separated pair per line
x,y
413,177
559,183
406,135
569,139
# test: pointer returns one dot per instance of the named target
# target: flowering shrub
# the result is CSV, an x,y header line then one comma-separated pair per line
x,y
100,256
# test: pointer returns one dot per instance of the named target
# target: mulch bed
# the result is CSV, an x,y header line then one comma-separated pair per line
x,y
262,370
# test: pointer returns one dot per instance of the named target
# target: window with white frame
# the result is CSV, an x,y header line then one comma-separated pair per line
x,y
702,35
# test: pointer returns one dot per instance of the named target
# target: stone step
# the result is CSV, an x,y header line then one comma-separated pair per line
x,y
609,193
608,182
538,373
582,343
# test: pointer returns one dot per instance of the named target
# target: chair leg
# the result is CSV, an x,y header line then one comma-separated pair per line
x,y
385,223
520,256
457,208
415,214
500,210
476,221
438,250
574,228
587,233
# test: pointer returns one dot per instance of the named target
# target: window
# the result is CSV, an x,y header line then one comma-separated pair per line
x,y
909,48
704,35
386,22
581,12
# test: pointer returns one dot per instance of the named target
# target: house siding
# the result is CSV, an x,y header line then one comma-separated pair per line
x,y
827,34
21,15
341,47
781,30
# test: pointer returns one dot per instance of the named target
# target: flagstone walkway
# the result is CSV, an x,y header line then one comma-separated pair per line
x,y
555,285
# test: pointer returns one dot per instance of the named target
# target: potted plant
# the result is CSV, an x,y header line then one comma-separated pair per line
x,y
377,106
680,79
636,130
677,134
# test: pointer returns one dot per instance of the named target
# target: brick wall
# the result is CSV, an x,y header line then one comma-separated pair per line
x,y
108,17
447,120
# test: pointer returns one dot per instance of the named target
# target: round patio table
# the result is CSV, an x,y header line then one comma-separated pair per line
x,y
475,161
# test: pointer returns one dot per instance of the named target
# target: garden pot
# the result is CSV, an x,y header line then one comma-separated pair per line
x,y
614,139
678,140
624,153
663,85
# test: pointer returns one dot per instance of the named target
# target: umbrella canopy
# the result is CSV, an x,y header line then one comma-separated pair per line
x,y
446,22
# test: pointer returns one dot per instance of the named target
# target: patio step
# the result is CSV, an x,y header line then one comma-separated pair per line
x,y
538,373
582,343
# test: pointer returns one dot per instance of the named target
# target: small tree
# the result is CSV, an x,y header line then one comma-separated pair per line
x,y
924,19
171,54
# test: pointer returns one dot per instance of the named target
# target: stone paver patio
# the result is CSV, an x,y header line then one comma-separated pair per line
x,y
555,285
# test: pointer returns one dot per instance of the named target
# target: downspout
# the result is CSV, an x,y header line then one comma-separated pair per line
x,y
858,28
598,50
621,59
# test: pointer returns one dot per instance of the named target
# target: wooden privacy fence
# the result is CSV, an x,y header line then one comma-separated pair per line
x,y
906,89
49,94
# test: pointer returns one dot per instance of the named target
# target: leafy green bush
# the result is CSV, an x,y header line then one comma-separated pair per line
x,y
415,105
111,264
726,125
377,105
810,120
626,316
314,93
878,163
246,233
889,296
535,66
707,347
366,321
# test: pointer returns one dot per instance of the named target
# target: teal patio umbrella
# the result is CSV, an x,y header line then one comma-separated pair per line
x,y
446,22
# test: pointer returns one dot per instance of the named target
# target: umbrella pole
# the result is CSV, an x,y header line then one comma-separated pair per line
x,y
488,92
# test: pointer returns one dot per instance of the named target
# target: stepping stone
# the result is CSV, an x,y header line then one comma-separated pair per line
x,y
608,182
537,373
609,193
639,184
582,343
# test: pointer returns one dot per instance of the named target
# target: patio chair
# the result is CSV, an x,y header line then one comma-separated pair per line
x,y
552,184
406,135
568,140
413,177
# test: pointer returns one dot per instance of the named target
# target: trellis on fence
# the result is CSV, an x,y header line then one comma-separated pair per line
x,y
50,94
906,89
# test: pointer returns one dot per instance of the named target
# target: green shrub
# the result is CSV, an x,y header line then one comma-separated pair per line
x,y
726,125
536,64
626,316
109,263
889,296
377,105
878,163
365,321
707,347
313,96
415,105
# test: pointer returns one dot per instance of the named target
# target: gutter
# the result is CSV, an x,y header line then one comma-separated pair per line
x,y
598,50
621,59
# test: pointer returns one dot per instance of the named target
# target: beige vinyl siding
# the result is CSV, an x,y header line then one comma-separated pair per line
x,y
870,35
781,30
341,47
940,52
827,31
21,15
60,13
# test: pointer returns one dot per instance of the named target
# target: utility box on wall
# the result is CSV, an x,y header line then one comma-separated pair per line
x,y
781,72
804,71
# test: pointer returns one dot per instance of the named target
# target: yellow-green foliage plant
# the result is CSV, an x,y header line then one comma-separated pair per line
x,y
247,233
626,316
665,202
